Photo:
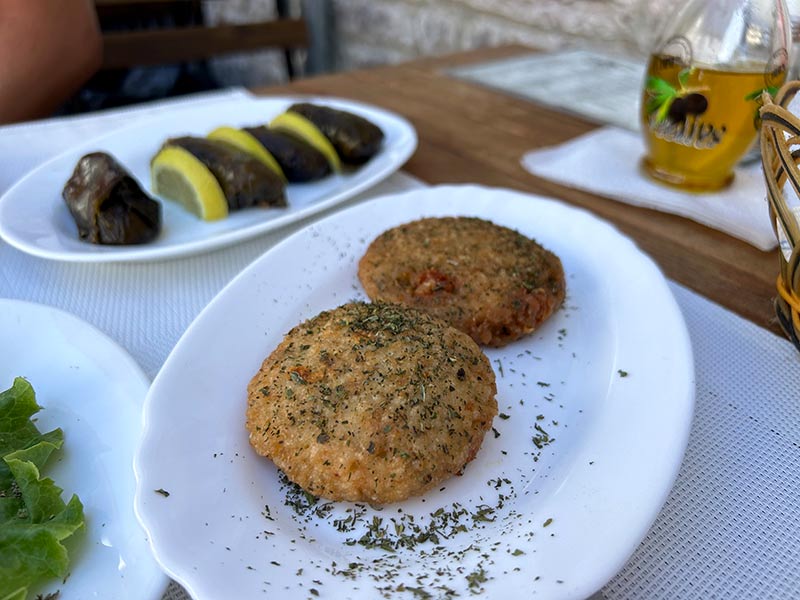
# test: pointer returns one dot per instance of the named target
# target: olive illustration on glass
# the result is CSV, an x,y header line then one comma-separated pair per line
x,y
692,105
702,93
672,104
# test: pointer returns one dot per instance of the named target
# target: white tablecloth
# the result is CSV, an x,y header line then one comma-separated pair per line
x,y
730,527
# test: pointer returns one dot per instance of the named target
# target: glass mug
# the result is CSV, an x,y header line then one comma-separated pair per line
x,y
703,88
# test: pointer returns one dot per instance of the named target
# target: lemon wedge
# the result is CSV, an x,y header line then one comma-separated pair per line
x,y
299,126
177,175
247,143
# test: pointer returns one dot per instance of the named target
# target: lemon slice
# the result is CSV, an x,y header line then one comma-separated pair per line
x,y
301,127
177,175
247,143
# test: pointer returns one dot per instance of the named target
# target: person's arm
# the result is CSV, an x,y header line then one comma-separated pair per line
x,y
48,48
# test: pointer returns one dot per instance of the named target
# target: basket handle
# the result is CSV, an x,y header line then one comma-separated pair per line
x,y
780,130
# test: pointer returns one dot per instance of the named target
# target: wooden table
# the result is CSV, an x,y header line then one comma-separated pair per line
x,y
469,133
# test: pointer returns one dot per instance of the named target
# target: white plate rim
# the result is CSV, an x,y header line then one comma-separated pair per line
x,y
614,558
396,157
111,350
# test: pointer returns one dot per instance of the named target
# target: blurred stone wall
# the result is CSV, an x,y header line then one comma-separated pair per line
x,y
254,68
394,30
372,32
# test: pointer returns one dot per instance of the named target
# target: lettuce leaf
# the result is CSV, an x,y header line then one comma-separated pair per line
x,y
34,519
18,594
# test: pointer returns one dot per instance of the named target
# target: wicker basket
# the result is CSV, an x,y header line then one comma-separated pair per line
x,y
780,154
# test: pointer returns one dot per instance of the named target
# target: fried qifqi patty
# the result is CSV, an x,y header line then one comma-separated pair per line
x,y
371,403
486,280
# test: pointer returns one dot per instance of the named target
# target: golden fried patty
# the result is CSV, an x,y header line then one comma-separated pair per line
x,y
489,281
371,403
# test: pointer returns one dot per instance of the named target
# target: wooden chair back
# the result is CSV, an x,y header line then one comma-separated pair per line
x,y
164,45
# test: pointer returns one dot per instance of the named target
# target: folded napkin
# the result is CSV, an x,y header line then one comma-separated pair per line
x,y
606,162
26,145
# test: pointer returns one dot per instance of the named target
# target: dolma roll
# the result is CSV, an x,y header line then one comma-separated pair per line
x,y
300,161
244,180
355,139
108,205
246,142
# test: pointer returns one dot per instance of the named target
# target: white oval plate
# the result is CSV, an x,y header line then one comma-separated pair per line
x,y
35,219
93,390
611,376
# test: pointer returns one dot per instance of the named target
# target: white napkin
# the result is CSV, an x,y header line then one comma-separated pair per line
x,y
606,162
26,145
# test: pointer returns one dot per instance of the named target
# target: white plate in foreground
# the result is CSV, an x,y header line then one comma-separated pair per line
x,y
93,390
596,409
35,219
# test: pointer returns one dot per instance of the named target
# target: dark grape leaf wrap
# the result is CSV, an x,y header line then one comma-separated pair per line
x,y
244,179
108,205
355,139
300,161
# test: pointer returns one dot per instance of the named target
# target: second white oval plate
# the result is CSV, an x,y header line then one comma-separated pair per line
x,y
595,414
93,390
35,219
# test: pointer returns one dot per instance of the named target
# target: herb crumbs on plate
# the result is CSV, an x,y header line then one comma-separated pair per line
x,y
499,367
476,578
406,533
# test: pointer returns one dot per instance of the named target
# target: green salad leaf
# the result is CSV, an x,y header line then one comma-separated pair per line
x,y
34,520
